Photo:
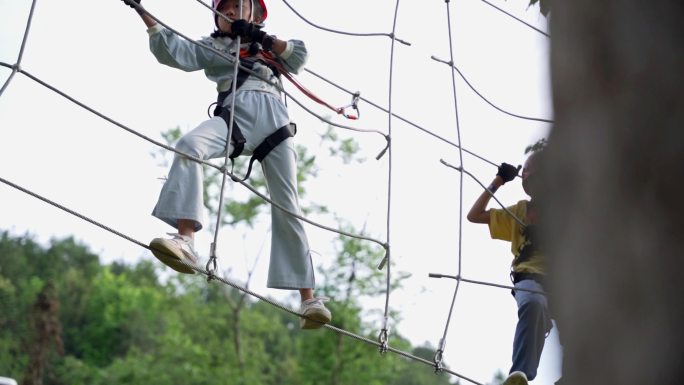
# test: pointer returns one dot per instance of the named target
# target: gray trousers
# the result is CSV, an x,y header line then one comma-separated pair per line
x,y
534,323
258,114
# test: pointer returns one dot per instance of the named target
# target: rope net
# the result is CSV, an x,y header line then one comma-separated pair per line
x,y
383,342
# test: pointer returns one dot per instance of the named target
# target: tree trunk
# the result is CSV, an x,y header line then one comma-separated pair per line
x,y
339,360
45,325
612,202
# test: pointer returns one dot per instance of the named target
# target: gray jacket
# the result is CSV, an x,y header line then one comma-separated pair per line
x,y
176,52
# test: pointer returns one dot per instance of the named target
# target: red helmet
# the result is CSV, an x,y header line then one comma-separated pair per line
x,y
260,3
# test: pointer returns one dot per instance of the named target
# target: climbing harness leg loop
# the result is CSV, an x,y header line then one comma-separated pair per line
x,y
237,137
271,142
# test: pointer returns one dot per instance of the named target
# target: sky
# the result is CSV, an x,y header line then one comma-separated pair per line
x,y
65,153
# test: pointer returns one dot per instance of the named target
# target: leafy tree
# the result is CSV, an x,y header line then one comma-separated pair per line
x,y
499,378
544,6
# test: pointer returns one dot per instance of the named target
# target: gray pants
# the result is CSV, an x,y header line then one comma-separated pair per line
x,y
533,326
258,114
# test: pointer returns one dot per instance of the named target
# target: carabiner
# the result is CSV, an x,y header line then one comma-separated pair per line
x,y
354,105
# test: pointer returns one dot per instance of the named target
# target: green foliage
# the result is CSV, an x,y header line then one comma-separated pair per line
x,y
544,6
536,147
122,325
346,149
499,378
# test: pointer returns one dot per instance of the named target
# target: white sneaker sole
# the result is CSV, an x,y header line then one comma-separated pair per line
x,y
163,249
316,318
516,380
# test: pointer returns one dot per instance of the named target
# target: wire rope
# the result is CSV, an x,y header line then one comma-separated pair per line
x,y
17,66
256,74
227,281
390,35
402,118
452,65
520,222
383,336
442,342
198,160
483,283
516,18
211,264
383,343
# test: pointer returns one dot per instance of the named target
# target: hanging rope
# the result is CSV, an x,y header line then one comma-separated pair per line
x,y
442,342
383,337
211,264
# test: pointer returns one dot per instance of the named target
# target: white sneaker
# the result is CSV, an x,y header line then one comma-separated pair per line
x,y
516,378
315,313
173,251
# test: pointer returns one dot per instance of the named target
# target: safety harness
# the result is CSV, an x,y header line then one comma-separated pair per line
x,y
248,60
248,57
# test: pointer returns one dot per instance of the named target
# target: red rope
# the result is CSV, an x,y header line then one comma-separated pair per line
x,y
268,58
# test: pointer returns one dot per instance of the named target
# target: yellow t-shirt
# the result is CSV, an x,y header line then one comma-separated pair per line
x,y
502,226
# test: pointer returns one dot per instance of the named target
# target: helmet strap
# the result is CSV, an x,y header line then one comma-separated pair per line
x,y
251,10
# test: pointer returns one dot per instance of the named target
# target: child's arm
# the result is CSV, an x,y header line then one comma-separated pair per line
x,y
479,213
279,46
149,22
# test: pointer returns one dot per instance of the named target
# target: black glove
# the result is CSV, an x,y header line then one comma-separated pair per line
x,y
246,29
508,172
131,3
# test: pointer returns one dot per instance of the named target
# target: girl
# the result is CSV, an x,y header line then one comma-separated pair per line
x,y
259,114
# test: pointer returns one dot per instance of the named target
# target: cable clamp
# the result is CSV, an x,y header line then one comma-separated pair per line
x,y
211,263
439,355
438,361
382,339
